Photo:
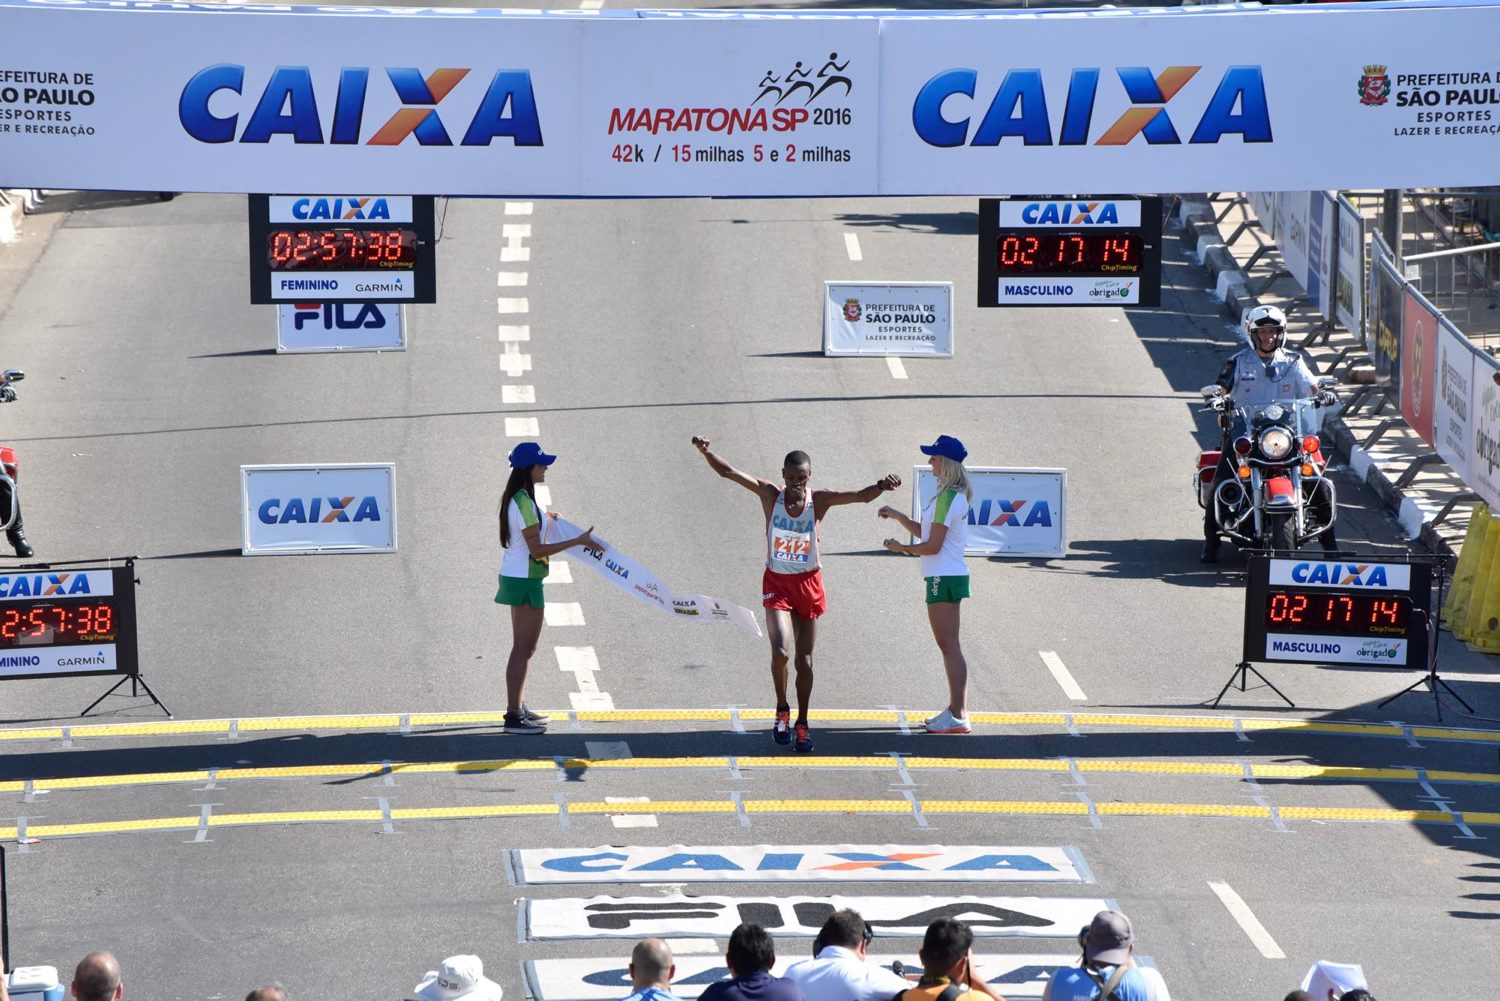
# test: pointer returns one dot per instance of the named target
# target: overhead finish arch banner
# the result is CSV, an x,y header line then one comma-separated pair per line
x,y
183,96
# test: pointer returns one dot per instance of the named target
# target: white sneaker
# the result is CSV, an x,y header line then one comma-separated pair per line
x,y
946,722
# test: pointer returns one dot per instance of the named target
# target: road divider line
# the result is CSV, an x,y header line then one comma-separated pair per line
x,y
512,333
511,279
522,427
898,370
513,304
1061,675
851,244
518,208
1246,919
558,571
513,361
515,235
563,613
514,393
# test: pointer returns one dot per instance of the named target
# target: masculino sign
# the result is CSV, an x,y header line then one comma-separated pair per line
x,y
129,94
802,917
800,863
910,319
1014,512
348,508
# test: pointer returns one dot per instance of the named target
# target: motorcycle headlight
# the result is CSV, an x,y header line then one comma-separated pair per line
x,y
1276,443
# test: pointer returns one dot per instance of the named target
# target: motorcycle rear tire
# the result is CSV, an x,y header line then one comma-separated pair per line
x,y
1282,531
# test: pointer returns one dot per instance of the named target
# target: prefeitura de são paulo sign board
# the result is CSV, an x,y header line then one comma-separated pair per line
x,y
267,97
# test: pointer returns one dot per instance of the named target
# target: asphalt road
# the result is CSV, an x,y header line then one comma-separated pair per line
x,y
150,380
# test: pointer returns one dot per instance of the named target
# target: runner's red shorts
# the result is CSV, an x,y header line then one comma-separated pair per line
x,y
798,593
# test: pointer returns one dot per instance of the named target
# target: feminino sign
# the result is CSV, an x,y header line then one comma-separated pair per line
x,y
220,97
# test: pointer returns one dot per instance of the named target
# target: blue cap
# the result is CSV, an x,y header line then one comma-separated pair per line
x,y
948,447
529,453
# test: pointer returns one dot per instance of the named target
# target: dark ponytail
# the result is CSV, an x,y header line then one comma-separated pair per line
x,y
519,482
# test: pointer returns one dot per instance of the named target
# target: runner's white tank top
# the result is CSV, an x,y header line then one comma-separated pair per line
x,y
792,543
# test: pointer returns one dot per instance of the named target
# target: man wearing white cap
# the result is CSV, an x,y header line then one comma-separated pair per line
x,y
458,977
1108,970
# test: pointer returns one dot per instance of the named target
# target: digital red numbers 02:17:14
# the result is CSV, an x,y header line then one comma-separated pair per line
x,y
57,623
1067,253
1301,611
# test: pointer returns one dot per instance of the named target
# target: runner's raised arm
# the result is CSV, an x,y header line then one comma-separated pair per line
x,y
766,491
826,499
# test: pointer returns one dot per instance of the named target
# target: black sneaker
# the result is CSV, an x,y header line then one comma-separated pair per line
x,y
532,717
517,723
22,547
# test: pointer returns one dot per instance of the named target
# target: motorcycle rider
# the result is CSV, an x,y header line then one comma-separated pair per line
x,y
1261,374
9,494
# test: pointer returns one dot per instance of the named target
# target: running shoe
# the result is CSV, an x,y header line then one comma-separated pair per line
x,y
518,723
782,731
946,722
534,717
804,738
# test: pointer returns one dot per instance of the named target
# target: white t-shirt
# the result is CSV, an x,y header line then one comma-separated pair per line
x,y
522,512
949,508
838,974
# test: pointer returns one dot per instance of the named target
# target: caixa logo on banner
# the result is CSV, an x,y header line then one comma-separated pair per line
x,y
1014,512
318,509
340,326
288,106
1019,108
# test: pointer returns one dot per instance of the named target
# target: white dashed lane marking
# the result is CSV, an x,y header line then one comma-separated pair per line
x,y
522,427
563,613
512,361
512,393
631,819
514,332
1246,919
898,370
514,235
558,571
513,305
543,495
518,208
851,244
1061,675
511,279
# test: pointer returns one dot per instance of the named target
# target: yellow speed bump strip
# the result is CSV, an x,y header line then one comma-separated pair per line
x,y
405,722
1095,766
1016,808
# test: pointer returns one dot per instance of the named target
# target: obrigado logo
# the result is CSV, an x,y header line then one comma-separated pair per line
x,y
288,106
1341,574
317,510
1011,512
1019,108
341,208
40,585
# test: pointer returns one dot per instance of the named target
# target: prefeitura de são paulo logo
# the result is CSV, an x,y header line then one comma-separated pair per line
x,y
1374,86
852,311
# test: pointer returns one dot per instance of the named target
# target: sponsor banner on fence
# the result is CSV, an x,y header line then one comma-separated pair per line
x,y
1383,340
1304,233
1349,281
800,863
1378,651
1015,975
340,326
1014,512
912,319
134,95
342,508
1419,329
1317,573
640,583
1485,456
1263,204
1454,400
803,917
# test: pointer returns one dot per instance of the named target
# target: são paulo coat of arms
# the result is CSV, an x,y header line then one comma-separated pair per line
x,y
1374,86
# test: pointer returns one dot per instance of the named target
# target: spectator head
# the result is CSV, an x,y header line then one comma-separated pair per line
x,y
1299,996
458,977
270,992
1358,994
846,929
750,951
1108,940
97,978
945,949
651,964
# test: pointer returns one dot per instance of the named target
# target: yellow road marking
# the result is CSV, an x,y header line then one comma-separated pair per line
x,y
766,806
392,721
1097,766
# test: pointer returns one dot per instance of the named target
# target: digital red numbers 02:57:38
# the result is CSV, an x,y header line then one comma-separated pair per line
x,y
57,624
340,249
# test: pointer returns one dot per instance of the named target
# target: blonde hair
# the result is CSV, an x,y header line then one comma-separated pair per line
x,y
951,475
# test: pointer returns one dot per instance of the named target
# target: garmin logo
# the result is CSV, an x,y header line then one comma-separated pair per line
x,y
98,660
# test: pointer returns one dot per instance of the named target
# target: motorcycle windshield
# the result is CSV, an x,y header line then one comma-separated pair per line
x,y
1300,415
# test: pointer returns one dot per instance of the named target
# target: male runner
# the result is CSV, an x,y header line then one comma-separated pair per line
x,y
792,587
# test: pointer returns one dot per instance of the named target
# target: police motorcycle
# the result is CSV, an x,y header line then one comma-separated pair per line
x,y
1278,497
10,469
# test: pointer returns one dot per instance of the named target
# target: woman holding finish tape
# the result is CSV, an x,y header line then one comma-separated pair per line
x,y
523,566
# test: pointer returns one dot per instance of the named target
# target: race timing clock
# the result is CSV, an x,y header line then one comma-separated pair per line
x,y
68,621
1090,250
345,248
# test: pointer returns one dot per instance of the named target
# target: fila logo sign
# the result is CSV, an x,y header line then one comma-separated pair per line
x,y
338,315
800,863
1361,576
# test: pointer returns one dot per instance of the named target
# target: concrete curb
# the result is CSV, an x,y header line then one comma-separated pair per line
x,y
1231,287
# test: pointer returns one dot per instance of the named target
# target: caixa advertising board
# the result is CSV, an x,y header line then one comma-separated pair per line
x,y
344,508
1014,512
65,622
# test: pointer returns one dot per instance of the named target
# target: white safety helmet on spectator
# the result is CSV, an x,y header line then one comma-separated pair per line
x,y
1263,318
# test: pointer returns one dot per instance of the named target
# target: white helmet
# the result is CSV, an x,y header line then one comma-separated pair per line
x,y
1261,318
